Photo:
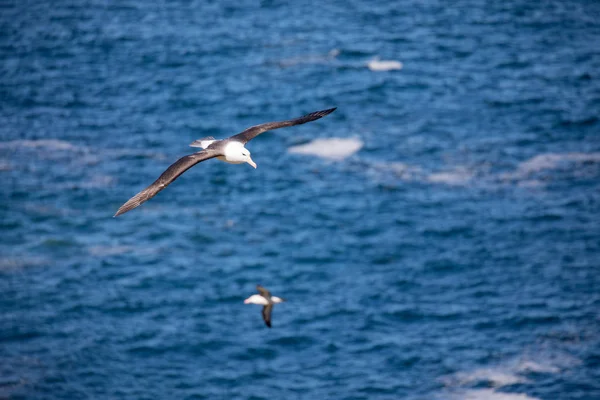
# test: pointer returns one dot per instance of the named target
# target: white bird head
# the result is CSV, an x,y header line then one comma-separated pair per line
x,y
248,159
236,153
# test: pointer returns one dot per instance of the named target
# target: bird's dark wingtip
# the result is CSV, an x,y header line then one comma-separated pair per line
x,y
132,203
319,114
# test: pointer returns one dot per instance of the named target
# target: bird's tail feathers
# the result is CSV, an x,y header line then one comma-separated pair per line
x,y
203,143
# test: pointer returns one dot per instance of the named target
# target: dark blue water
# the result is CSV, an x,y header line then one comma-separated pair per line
x,y
455,256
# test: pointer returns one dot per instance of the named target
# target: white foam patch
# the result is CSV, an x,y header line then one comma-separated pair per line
x,y
458,176
98,181
332,149
548,161
495,377
92,182
491,394
405,171
109,250
490,380
524,175
548,363
50,144
383,171
101,251
384,65
532,366
311,59
334,53
12,264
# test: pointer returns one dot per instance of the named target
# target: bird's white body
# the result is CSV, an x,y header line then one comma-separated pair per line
x,y
258,299
235,152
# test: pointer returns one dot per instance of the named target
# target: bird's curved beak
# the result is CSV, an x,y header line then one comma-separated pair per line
x,y
251,162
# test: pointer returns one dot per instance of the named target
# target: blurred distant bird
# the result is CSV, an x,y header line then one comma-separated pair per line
x,y
230,150
265,299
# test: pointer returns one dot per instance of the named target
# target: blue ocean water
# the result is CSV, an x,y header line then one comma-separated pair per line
x,y
456,255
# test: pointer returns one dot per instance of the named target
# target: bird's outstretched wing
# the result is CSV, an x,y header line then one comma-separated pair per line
x,y
266,313
263,292
256,130
172,173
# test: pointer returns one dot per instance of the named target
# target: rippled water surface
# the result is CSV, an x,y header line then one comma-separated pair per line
x,y
439,241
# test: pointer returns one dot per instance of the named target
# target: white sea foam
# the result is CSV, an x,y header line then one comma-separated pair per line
x,y
496,377
12,264
110,250
532,366
524,175
548,161
384,65
103,251
50,144
333,53
400,170
549,362
310,59
98,181
491,394
458,176
461,385
91,182
332,148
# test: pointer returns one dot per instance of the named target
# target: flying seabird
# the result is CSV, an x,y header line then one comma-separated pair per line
x,y
230,150
265,299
